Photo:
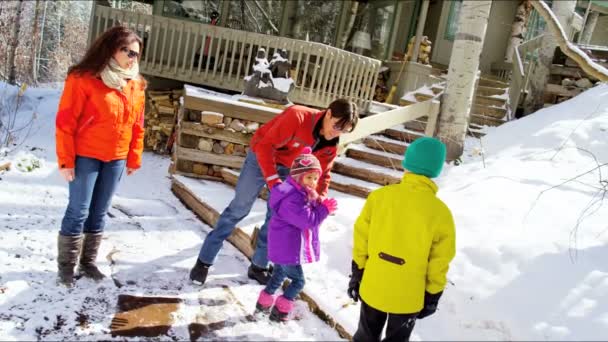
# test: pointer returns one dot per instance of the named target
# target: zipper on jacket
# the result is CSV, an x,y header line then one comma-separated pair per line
x,y
86,123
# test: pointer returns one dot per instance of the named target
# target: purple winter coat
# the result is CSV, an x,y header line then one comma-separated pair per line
x,y
293,230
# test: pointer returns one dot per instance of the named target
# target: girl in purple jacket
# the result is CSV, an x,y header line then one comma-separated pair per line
x,y
293,233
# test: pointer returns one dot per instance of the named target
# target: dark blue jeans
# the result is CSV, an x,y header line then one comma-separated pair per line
x,y
248,187
91,193
279,273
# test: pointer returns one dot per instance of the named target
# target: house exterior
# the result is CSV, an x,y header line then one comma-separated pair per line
x,y
336,48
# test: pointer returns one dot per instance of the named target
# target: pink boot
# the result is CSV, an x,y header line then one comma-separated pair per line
x,y
281,309
265,302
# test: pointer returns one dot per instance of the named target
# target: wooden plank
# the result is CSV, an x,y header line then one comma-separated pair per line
x,y
230,108
196,175
486,120
209,158
489,91
242,241
401,135
494,112
374,158
560,90
205,212
366,175
385,146
351,189
486,82
379,122
489,101
231,177
202,130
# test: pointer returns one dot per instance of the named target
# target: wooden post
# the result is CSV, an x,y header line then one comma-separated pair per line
x,y
420,29
589,27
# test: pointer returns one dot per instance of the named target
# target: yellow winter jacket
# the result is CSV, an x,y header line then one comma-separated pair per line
x,y
404,239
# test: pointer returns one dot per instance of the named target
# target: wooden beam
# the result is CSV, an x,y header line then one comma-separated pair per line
x,y
205,131
209,157
231,108
489,101
494,112
230,177
366,175
383,145
379,122
374,158
402,135
196,175
486,120
242,241
205,212
351,189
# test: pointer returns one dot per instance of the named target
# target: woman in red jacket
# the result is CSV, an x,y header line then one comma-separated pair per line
x,y
99,131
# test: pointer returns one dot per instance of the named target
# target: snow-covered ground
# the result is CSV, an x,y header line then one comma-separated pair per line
x,y
530,262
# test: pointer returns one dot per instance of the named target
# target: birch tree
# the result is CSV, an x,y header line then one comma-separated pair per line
x,y
12,74
462,74
518,29
352,14
541,68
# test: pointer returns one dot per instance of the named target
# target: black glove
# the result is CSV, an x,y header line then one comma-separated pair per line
x,y
430,304
355,281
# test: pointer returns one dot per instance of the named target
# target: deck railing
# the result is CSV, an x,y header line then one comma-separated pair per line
x,y
221,57
522,64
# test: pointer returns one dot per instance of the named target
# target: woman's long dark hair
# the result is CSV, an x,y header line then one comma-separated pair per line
x,y
99,53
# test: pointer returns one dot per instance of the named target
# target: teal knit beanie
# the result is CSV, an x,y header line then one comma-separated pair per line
x,y
425,156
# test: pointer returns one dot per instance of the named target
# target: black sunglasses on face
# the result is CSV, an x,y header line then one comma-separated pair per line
x,y
130,53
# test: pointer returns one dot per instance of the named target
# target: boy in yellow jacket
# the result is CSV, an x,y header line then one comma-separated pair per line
x,y
404,240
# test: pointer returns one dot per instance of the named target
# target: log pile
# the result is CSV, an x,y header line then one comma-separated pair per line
x,y
160,119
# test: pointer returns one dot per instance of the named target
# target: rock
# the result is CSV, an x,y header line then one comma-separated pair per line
x,y
205,145
227,120
584,83
252,127
239,150
567,82
200,169
217,148
210,171
230,130
220,125
224,143
185,165
229,149
237,125
212,118
189,141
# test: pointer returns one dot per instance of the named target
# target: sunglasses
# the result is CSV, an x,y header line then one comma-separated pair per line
x,y
130,53
342,128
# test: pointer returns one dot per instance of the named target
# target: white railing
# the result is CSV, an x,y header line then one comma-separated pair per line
x,y
221,57
522,68
379,122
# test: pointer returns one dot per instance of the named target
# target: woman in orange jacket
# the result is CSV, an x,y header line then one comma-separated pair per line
x,y
99,131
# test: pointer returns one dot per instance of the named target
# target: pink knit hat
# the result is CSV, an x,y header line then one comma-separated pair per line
x,y
305,163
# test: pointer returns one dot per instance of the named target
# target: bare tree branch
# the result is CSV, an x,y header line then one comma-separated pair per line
x,y
274,28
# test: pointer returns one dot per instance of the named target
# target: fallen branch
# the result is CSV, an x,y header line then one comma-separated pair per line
x,y
274,28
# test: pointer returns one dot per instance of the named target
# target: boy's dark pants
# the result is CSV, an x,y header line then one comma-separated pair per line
x,y
371,322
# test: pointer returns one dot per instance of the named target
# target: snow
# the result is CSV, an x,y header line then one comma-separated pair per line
x,y
530,261
364,148
282,84
204,94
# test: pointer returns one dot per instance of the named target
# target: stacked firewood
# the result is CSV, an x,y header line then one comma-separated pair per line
x,y
221,139
160,119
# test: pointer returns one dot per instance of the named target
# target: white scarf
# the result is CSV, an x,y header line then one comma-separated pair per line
x,y
114,76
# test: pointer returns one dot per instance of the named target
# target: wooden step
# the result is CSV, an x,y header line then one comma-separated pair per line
x,y
420,97
494,112
404,103
403,135
388,160
381,143
489,101
352,186
489,91
367,172
437,89
418,125
486,82
486,120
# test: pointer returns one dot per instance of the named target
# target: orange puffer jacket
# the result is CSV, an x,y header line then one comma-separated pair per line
x,y
99,122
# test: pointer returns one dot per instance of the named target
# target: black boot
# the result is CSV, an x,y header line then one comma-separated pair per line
x,y
68,248
198,274
90,246
259,274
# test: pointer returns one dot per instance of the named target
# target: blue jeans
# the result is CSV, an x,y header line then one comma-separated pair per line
x,y
91,193
248,187
279,273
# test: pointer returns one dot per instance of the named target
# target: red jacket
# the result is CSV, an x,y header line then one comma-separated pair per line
x,y
281,140
99,122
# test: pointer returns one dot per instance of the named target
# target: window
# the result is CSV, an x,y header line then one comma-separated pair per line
x,y
317,21
452,24
382,26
